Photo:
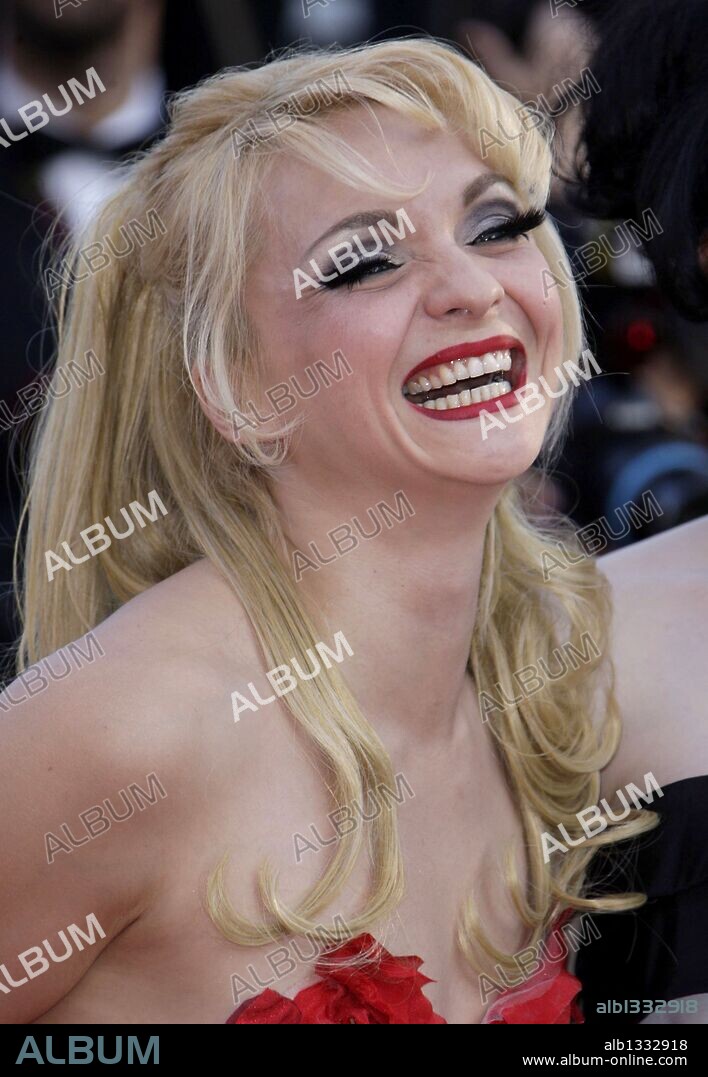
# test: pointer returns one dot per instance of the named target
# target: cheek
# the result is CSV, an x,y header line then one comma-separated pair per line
x,y
347,416
367,329
296,338
321,367
532,287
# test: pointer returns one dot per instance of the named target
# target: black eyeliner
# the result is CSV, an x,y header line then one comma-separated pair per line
x,y
517,225
354,274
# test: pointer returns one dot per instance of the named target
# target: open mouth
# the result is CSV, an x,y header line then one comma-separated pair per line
x,y
462,388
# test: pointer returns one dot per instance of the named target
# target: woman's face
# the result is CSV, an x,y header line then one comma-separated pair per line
x,y
457,281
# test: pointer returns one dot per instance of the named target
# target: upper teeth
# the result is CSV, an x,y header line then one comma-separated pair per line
x,y
435,377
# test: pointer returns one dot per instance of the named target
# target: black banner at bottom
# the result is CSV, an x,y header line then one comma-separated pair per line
x,y
529,1047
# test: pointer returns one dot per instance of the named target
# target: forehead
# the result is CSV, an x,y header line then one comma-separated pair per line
x,y
305,199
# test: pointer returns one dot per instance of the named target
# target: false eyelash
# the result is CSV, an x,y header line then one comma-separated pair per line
x,y
356,273
517,226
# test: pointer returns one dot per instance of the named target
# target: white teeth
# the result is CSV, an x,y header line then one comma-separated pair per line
x,y
459,370
469,396
499,388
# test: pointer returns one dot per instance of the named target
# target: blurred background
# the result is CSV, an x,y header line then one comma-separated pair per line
x,y
640,427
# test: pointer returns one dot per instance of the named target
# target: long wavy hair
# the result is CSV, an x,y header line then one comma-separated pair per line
x,y
170,326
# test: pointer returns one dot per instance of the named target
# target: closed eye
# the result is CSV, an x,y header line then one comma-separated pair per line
x,y
518,225
366,267
505,230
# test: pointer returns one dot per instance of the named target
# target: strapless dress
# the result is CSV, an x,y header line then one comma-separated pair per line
x,y
388,990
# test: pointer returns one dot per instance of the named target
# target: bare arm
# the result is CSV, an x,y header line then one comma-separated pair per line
x,y
660,649
66,751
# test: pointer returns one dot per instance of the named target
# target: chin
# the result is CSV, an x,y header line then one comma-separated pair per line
x,y
474,453
513,447
503,459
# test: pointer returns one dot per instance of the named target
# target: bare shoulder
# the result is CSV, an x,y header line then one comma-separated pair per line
x,y
684,549
660,623
128,687
115,722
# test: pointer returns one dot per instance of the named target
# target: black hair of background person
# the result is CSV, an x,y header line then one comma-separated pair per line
x,y
397,18
645,137
187,53
509,16
386,19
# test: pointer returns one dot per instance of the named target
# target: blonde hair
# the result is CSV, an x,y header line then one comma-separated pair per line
x,y
170,323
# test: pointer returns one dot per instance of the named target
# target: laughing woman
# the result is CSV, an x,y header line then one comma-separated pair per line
x,y
340,317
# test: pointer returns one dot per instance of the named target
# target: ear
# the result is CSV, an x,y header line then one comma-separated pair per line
x,y
225,424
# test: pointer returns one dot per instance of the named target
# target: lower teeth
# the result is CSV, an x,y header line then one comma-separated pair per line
x,y
468,396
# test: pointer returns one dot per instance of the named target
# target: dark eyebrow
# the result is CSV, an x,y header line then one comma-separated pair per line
x,y
357,220
478,186
371,217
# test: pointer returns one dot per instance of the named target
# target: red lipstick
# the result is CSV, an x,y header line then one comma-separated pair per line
x,y
517,375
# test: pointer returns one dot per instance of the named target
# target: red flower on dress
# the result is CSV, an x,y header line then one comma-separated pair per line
x,y
387,990
548,997
543,1001
383,990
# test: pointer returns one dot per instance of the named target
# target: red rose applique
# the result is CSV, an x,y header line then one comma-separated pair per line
x,y
549,997
383,990
387,990
551,1002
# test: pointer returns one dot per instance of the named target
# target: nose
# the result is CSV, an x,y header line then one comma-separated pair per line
x,y
462,280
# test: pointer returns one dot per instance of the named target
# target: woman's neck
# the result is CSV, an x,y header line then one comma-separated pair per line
x,y
405,598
